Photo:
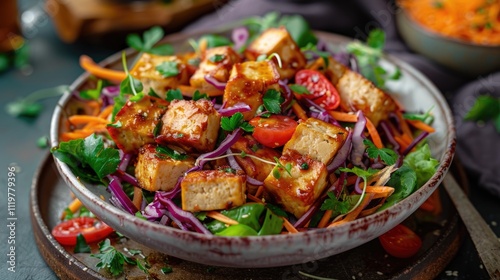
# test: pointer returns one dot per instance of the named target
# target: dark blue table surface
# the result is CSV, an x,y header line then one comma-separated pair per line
x,y
54,63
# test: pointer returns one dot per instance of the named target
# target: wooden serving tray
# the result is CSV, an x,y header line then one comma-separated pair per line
x,y
76,19
441,234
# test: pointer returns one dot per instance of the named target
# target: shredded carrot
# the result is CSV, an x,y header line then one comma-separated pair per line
x,y
343,117
66,136
289,226
221,218
402,143
93,68
374,134
325,219
297,109
379,191
404,125
82,119
74,206
254,199
137,199
95,106
317,64
476,21
406,139
259,191
351,180
421,125
106,112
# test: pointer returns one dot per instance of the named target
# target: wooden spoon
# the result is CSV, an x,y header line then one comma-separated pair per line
x,y
485,240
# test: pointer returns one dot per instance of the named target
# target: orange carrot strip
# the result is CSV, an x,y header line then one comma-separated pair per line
x,y
74,206
95,69
259,191
289,226
297,109
402,143
374,134
221,218
421,125
343,117
137,199
106,112
66,136
404,125
351,180
83,119
379,191
325,219
317,64
406,139
189,91
254,199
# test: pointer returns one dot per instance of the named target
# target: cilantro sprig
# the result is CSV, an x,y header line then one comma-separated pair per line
x,y
168,69
337,206
81,245
164,151
235,121
485,108
112,259
276,171
368,56
148,41
174,94
387,155
272,100
299,89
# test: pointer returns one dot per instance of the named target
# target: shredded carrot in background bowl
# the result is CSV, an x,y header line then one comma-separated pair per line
x,y
475,21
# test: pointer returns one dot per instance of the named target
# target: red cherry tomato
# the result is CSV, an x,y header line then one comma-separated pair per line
x,y
322,91
274,131
92,230
401,242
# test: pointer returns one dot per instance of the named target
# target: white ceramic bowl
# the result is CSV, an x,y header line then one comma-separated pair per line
x,y
413,90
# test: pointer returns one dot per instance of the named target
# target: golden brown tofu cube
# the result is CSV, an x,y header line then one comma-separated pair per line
x,y
217,62
145,71
138,121
358,93
208,190
279,41
156,171
297,191
191,125
318,139
248,82
252,167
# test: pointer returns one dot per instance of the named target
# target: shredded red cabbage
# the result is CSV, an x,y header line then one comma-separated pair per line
x,y
342,154
415,142
390,136
214,82
224,145
240,36
183,217
234,165
124,176
356,186
116,189
238,107
124,161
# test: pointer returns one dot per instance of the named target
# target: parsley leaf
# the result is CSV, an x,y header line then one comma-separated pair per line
x,y
217,58
129,86
149,39
234,122
272,101
81,245
387,155
427,118
111,259
168,69
92,94
162,151
174,94
299,89
166,270
197,95
334,204
365,174
484,109
88,158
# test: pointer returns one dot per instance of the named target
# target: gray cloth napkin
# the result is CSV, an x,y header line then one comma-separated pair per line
x,y
478,146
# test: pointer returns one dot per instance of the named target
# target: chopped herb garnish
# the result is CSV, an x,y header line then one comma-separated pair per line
x,y
299,89
162,151
81,245
427,118
287,167
174,94
304,166
168,69
272,101
111,259
139,215
153,93
149,39
336,205
217,58
234,122
194,61
313,48
92,94
197,95
166,270
387,155
42,142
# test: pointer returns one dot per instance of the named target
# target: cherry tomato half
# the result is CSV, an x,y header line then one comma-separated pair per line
x,y
92,230
322,91
274,131
401,242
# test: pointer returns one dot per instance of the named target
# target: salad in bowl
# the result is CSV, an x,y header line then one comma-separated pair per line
x,y
262,148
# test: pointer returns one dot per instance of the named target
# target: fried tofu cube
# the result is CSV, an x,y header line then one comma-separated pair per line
x,y
191,125
358,93
318,139
248,82
279,41
208,190
254,168
135,123
157,172
216,62
296,191
146,71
